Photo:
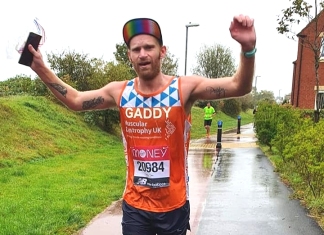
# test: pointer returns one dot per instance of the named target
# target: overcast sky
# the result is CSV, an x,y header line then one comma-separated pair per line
x,y
95,27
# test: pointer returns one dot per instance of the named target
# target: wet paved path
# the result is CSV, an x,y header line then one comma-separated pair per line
x,y
232,192
245,196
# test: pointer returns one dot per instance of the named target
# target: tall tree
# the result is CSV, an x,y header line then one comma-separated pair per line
x,y
214,62
298,12
76,68
265,95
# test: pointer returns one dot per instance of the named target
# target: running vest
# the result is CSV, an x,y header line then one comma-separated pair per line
x,y
155,131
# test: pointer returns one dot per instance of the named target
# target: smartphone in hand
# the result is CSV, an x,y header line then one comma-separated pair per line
x,y
26,57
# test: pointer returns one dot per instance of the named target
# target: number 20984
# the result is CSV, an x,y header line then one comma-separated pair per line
x,y
150,166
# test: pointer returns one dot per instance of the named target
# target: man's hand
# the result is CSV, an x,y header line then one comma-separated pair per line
x,y
38,62
242,30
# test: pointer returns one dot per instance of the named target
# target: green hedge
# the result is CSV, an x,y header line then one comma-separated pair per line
x,y
294,136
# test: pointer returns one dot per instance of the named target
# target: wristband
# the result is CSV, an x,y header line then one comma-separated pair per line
x,y
250,54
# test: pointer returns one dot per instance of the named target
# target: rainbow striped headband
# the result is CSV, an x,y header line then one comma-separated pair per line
x,y
139,26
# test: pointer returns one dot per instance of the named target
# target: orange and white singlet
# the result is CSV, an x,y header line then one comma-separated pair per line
x,y
155,131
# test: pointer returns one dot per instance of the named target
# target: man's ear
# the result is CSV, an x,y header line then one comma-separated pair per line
x,y
130,60
128,55
163,52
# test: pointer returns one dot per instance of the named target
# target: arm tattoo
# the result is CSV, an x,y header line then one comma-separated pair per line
x,y
219,92
92,103
61,89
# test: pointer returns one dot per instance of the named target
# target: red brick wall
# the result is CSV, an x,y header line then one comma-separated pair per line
x,y
303,93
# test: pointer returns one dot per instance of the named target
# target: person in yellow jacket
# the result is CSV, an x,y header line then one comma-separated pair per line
x,y
209,112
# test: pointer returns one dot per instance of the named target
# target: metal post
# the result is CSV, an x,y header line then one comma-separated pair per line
x,y
219,134
238,124
185,72
187,26
255,90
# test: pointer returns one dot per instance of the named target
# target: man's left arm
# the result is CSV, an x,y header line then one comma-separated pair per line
x,y
242,30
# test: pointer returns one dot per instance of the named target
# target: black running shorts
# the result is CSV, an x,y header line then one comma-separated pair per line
x,y
140,222
208,122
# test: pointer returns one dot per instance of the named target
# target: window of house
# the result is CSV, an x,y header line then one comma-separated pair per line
x,y
319,100
322,50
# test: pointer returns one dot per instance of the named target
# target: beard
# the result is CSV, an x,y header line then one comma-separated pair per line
x,y
150,71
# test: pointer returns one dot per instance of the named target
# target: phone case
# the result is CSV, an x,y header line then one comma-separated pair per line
x,y
26,57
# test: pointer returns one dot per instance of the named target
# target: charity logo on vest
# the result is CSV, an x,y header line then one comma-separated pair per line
x,y
150,153
151,166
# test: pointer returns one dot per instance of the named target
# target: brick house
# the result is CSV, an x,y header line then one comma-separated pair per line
x,y
304,88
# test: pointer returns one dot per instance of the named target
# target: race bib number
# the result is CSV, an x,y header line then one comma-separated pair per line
x,y
151,166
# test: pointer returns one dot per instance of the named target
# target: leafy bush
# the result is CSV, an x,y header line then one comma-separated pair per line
x,y
305,152
232,107
288,123
266,119
298,140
